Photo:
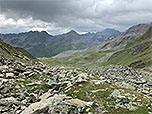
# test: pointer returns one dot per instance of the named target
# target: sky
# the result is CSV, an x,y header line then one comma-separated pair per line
x,y
60,16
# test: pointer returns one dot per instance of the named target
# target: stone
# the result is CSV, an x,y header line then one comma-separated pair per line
x,y
84,75
31,74
1,76
46,95
141,81
98,82
123,100
33,98
34,83
149,83
4,67
9,75
144,91
9,101
57,104
27,73
81,80
52,83
130,106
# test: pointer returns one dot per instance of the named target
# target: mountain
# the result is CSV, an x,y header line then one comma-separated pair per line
x,y
130,34
33,42
29,86
7,50
132,48
94,39
69,41
41,44
137,53
107,33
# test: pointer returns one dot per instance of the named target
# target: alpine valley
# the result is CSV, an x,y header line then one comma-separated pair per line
x,y
107,72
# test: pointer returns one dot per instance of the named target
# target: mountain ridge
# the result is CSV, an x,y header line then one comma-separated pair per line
x,y
118,51
29,86
42,44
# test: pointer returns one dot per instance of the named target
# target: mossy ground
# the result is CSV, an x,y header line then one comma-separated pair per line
x,y
33,87
84,92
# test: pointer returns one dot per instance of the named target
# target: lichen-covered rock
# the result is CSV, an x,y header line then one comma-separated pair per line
x,y
9,101
58,104
122,100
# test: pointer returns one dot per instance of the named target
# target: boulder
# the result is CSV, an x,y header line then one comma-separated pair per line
x,y
58,104
149,83
141,81
46,95
81,78
4,67
9,101
9,75
32,98
123,100
84,75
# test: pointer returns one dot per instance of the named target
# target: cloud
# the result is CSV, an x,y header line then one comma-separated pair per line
x,y
57,16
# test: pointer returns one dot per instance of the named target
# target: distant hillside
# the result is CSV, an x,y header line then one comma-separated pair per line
x,y
130,34
137,53
41,44
132,48
94,39
33,42
25,52
7,51
107,33
67,53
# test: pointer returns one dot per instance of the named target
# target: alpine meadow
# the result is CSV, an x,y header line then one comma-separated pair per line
x,y
75,57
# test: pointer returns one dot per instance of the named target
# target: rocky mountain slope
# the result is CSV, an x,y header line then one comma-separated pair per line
x,y
24,81
130,34
105,35
132,48
31,87
41,44
33,42
137,52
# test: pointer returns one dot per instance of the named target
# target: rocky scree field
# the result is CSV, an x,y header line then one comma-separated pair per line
x,y
28,86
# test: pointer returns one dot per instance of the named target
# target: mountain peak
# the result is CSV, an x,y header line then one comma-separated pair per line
x,y
138,28
110,30
72,32
33,31
46,33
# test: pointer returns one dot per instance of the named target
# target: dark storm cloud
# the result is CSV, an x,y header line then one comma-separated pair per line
x,y
82,15
45,10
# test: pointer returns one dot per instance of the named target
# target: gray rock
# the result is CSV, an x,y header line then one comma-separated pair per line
x,y
33,98
9,75
58,104
5,67
9,101
123,100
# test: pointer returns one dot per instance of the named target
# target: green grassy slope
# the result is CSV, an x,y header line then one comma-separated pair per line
x,y
85,92
11,52
90,58
137,53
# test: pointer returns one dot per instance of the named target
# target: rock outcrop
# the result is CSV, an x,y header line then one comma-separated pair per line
x,y
125,77
58,104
